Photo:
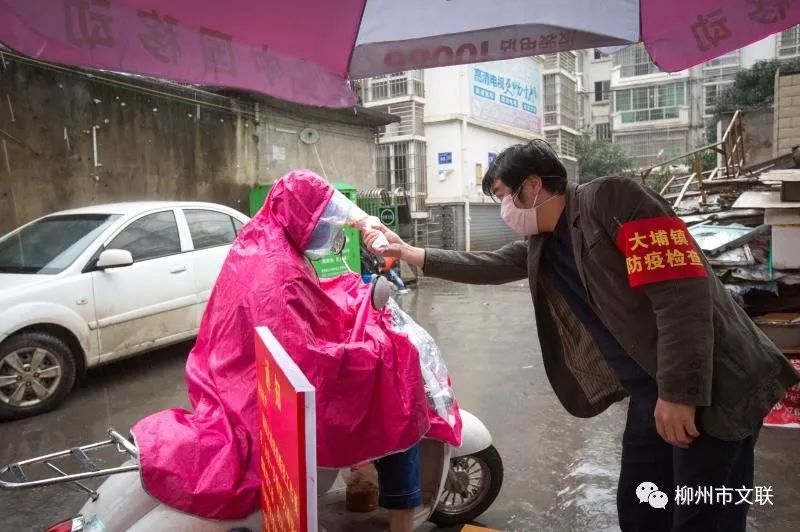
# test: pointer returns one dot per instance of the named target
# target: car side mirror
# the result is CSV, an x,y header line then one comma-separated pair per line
x,y
114,258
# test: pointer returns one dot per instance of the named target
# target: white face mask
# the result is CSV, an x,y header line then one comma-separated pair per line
x,y
523,221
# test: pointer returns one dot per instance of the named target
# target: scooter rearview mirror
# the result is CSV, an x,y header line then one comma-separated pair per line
x,y
338,243
381,290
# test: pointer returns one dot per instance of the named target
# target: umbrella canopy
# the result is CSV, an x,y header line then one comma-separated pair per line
x,y
305,50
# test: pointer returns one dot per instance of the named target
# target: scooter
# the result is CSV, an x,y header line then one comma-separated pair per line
x,y
458,484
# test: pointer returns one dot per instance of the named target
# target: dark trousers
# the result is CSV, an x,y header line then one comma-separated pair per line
x,y
708,462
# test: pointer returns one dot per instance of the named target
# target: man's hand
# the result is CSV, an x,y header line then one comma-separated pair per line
x,y
675,423
396,243
397,248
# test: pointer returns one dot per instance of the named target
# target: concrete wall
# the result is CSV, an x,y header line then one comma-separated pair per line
x,y
479,143
458,180
154,141
787,113
444,180
447,91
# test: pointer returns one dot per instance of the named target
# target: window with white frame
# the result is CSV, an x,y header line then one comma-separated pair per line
x,y
789,43
644,104
567,62
723,68
711,94
560,101
602,132
550,61
407,83
652,147
403,165
378,88
602,91
411,113
568,101
567,144
552,139
635,61
550,100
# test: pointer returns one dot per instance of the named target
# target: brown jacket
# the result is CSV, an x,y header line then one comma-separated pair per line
x,y
688,334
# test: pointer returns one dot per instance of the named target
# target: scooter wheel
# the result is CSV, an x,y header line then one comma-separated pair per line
x,y
472,485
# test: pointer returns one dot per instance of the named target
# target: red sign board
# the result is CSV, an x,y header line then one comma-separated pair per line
x,y
288,440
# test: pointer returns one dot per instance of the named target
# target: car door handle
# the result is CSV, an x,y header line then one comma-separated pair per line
x,y
178,269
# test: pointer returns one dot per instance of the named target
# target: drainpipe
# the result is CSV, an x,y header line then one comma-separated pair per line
x,y
465,190
464,106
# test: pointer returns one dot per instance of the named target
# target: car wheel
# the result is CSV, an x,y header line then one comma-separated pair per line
x,y
37,371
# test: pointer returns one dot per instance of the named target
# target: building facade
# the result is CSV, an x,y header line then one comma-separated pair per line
x,y
562,106
656,115
453,122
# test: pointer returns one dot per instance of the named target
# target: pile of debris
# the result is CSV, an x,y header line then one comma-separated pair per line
x,y
749,229
746,220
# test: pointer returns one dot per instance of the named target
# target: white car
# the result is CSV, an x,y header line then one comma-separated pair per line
x,y
88,286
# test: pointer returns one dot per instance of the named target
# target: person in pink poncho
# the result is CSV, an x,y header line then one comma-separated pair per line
x,y
370,393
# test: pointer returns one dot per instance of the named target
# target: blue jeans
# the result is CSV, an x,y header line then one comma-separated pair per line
x,y
399,480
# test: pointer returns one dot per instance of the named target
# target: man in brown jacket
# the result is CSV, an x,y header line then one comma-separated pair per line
x,y
626,305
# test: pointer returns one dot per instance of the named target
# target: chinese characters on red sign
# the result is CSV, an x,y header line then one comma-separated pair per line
x,y
288,445
659,249
88,23
91,24
547,42
158,36
710,29
767,11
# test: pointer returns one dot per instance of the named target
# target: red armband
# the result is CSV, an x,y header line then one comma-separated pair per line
x,y
659,249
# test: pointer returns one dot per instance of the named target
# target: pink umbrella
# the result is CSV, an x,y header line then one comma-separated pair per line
x,y
305,50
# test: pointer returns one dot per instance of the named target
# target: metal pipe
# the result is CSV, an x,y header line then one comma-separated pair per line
x,y
80,485
94,146
125,443
464,191
61,454
70,478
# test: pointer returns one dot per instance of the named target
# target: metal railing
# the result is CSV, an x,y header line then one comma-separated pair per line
x,y
411,122
731,147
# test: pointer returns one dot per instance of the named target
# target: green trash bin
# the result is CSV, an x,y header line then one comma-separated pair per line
x,y
387,214
376,203
329,265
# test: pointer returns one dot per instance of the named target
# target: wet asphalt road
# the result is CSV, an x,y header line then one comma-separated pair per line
x,y
560,471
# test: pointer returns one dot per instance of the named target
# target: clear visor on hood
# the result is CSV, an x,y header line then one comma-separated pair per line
x,y
338,214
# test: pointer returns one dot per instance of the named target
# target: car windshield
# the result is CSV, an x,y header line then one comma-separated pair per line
x,y
50,245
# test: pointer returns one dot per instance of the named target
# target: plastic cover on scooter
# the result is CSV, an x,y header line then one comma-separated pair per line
x,y
370,388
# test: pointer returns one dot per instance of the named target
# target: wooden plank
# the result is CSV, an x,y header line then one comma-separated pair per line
x,y
753,199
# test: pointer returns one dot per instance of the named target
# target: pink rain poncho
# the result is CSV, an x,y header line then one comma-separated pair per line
x,y
369,387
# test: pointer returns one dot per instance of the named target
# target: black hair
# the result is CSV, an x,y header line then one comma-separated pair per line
x,y
520,161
